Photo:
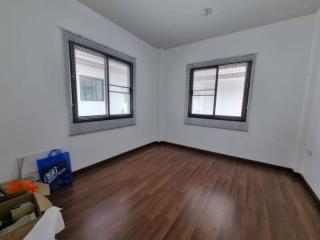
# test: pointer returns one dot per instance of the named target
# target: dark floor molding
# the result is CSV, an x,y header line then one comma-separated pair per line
x,y
299,176
111,159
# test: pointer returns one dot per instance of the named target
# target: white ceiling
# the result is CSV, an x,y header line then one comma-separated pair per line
x,y
169,23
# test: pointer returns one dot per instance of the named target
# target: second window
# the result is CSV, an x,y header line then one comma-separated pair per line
x,y
220,92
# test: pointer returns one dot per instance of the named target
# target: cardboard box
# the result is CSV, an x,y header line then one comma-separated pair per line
x,y
43,188
41,204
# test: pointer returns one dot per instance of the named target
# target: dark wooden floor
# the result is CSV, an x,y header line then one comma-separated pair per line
x,y
168,192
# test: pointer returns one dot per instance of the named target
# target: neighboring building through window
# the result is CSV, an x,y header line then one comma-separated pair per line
x,y
91,89
219,90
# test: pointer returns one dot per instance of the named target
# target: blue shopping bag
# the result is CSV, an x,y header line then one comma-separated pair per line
x,y
56,169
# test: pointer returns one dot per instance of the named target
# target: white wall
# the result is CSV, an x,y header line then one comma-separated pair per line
x,y
310,152
33,104
278,89
32,87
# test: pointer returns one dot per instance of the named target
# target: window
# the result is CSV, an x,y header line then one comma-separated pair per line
x,y
219,91
101,85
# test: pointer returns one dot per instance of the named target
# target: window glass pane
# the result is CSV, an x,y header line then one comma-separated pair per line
x,y
204,79
202,105
119,103
90,77
119,89
119,73
203,91
231,83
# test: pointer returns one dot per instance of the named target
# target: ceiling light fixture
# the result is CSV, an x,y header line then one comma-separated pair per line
x,y
206,11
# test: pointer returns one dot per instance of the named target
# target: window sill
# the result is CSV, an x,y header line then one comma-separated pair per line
x,y
212,123
90,127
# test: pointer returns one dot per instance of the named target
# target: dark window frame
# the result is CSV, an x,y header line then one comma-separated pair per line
x,y
107,116
245,100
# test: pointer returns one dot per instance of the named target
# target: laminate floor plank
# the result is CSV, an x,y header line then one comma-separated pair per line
x,y
170,192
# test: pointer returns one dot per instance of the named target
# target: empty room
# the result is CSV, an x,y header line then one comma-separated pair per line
x,y
153,119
